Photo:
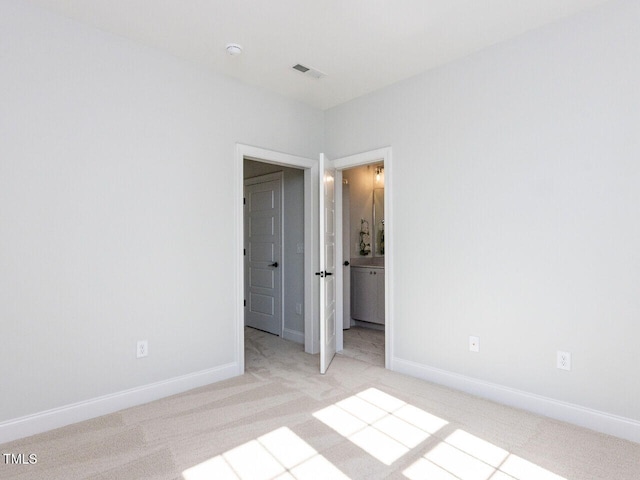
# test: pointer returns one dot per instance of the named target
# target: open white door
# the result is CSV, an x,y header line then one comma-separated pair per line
x,y
327,263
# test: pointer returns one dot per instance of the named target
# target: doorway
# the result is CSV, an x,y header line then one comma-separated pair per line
x,y
384,289
274,223
363,234
268,161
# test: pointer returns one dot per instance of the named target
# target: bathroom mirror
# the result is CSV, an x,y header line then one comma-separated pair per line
x,y
378,222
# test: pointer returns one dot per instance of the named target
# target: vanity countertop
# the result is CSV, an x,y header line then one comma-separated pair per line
x,y
375,262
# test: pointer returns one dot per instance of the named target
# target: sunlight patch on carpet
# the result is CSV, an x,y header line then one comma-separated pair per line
x,y
382,425
280,454
462,456
386,428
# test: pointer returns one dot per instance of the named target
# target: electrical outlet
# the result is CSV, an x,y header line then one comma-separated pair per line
x,y
474,344
299,308
142,349
564,360
300,248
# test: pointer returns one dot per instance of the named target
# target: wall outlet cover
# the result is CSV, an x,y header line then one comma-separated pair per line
x,y
142,348
474,344
563,360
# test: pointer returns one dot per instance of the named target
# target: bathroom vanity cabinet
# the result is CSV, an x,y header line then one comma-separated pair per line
x,y
367,294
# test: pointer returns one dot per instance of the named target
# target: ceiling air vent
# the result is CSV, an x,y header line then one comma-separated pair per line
x,y
311,72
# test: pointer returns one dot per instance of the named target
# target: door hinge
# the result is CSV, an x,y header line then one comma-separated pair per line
x,y
244,251
245,303
244,201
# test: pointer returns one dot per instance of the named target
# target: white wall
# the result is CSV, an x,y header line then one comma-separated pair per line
x,y
293,262
517,207
116,209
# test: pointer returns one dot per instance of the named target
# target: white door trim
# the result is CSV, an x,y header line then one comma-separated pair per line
x,y
279,177
311,326
356,160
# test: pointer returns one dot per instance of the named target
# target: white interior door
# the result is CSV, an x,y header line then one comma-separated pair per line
x,y
263,242
327,263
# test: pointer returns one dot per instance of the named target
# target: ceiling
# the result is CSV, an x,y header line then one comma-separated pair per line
x,y
361,45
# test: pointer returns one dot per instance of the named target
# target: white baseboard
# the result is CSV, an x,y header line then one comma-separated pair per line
x,y
293,335
610,424
96,407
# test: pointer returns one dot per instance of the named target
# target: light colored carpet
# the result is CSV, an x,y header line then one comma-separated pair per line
x,y
284,420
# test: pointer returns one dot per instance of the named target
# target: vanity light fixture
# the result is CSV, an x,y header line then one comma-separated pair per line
x,y
379,171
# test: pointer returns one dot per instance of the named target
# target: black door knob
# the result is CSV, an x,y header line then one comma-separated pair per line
x,y
346,263
274,264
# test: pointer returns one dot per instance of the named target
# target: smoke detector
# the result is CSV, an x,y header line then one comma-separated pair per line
x,y
234,49
312,72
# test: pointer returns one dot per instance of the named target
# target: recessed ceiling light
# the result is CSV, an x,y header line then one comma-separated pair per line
x,y
234,49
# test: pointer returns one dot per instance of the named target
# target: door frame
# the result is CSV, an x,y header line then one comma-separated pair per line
x,y
278,177
346,280
343,163
311,196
